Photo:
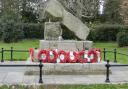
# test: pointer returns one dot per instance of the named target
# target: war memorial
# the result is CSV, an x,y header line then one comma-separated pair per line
x,y
54,44
61,56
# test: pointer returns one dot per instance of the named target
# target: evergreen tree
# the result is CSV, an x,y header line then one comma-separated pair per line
x,y
111,11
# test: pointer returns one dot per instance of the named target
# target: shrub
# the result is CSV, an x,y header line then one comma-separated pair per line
x,y
67,34
11,32
36,30
0,31
106,32
122,39
112,11
33,30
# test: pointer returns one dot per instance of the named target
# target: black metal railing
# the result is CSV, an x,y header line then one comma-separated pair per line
x,y
115,52
11,51
40,65
108,65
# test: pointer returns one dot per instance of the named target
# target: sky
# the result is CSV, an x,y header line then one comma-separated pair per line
x,y
101,6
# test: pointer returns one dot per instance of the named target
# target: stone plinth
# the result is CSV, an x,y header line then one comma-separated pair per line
x,y
66,45
69,69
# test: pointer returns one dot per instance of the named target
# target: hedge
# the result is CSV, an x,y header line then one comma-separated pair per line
x,y
13,32
1,31
122,39
106,32
32,30
17,31
67,34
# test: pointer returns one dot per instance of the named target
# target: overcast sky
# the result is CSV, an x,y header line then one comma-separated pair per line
x,y
101,6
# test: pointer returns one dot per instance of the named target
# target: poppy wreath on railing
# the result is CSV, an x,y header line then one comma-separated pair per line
x,y
62,55
94,54
43,56
72,57
31,52
99,54
52,56
81,57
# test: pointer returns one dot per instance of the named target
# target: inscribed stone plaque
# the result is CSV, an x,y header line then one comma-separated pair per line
x,y
68,46
52,31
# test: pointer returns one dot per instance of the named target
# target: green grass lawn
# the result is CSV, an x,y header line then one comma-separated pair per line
x,y
22,45
100,86
111,46
26,44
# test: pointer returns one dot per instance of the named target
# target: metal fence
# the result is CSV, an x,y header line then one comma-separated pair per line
x,y
11,51
108,65
40,65
115,52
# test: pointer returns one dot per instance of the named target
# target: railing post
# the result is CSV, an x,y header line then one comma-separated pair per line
x,y
107,72
11,54
104,54
40,66
2,55
115,55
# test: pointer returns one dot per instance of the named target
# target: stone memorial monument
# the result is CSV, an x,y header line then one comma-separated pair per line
x,y
53,32
53,40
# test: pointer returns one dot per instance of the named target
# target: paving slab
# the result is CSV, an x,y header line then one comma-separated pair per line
x,y
14,78
2,76
29,80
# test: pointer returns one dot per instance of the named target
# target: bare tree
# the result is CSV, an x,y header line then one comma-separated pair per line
x,y
79,8
82,8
